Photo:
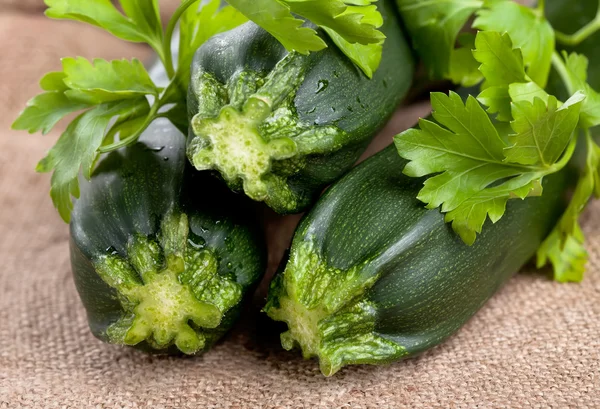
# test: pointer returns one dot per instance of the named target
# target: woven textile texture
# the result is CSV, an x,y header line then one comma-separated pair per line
x,y
536,344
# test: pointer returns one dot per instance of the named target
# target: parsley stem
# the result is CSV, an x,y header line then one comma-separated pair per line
x,y
161,55
131,139
560,67
168,54
167,96
567,155
581,35
541,6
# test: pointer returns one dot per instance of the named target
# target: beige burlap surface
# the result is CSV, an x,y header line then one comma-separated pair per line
x,y
534,345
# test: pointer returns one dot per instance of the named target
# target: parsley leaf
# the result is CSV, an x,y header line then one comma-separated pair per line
x,y
501,65
529,31
577,66
468,153
351,24
105,90
480,165
568,259
542,130
355,24
564,248
433,26
103,14
468,219
105,81
527,91
54,81
365,56
45,110
198,24
476,178
276,18
77,148
145,15
464,68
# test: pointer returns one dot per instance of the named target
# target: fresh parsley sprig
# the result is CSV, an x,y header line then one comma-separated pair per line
x,y
477,162
116,101
351,24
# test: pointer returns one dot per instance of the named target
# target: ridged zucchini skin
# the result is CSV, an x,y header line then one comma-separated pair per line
x,y
144,201
317,112
374,277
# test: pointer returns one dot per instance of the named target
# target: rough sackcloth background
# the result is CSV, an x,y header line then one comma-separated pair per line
x,y
534,345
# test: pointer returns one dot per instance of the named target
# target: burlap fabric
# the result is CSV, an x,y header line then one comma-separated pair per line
x,y
535,344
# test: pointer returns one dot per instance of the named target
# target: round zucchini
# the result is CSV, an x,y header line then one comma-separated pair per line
x,y
282,126
374,277
157,264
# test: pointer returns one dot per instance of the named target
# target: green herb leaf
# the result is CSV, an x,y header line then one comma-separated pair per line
x,y
145,14
352,25
45,110
468,218
469,152
577,67
542,130
529,31
501,65
100,13
464,68
434,26
366,56
275,17
568,256
125,129
54,81
564,248
105,81
475,178
198,25
76,148
527,91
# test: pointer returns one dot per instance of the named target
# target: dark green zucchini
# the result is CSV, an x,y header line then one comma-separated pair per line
x,y
374,277
159,265
282,125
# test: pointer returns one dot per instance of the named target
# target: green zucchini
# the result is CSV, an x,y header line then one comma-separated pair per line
x,y
374,277
282,126
161,255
